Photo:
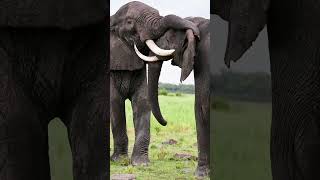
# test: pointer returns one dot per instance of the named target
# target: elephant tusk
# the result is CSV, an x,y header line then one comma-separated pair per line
x,y
157,50
145,58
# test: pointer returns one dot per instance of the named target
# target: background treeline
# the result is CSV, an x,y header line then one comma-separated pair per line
x,y
253,86
173,88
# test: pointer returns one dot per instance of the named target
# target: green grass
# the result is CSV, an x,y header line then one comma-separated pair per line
x,y
59,151
179,112
240,151
241,142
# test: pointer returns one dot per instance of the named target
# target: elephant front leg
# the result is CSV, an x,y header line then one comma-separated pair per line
x,y
118,124
141,118
203,137
202,112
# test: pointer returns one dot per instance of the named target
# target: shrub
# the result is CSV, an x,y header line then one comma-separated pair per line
x,y
178,94
163,92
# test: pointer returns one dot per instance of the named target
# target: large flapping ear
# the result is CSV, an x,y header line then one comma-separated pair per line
x,y
122,57
189,55
246,19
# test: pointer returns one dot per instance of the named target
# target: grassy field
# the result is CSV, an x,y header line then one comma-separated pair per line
x,y
179,112
59,151
241,142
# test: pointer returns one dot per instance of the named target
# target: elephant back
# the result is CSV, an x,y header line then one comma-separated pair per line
x,y
123,57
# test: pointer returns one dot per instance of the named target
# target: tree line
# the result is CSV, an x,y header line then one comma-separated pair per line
x,y
253,86
173,88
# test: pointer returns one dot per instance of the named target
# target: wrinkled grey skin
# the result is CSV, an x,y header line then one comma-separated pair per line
x,y
190,54
128,81
135,22
293,38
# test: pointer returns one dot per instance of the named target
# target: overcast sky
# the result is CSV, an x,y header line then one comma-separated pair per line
x,y
182,8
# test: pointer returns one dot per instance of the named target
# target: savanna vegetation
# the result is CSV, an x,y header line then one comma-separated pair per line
x,y
241,116
241,140
173,149
241,121
253,86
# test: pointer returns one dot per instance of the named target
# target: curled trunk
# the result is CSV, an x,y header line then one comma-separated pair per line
x,y
154,26
153,79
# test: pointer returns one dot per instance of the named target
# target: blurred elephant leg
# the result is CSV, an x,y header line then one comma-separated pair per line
x,y
295,129
87,129
23,125
118,122
86,102
141,118
295,139
202,112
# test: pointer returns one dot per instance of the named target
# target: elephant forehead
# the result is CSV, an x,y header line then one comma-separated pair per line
x,y
172,39
135,9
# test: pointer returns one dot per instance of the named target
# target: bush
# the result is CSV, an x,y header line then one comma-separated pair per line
x,y
163,92
178,94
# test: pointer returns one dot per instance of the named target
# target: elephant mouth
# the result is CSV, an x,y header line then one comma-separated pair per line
x,y
160,54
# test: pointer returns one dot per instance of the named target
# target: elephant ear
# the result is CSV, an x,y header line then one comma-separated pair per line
x,y
189,55
246,19
123,57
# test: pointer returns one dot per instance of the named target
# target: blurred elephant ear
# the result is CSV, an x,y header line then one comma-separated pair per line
x,y
189,55
246,19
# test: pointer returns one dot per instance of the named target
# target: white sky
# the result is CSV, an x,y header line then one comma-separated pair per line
x,y
182,8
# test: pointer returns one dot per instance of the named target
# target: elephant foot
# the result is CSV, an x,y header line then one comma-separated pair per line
x,y
118,157
202,171
140,160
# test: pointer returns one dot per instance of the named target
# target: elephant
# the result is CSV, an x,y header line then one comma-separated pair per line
x,y
47,73
293,33
53,63
128,81
190,54
135,27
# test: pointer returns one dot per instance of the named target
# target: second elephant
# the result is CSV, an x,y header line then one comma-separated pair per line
x,y
190,54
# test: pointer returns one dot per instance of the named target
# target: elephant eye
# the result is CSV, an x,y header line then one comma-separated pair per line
x,y
129,22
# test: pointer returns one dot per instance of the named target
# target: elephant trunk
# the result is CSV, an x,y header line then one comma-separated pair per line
x,y
154,26
154,70
177,23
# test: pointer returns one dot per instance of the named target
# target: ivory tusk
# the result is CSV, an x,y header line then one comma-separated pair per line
x,y
157,50
145,58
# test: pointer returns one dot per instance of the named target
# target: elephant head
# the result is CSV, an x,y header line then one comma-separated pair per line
x,y
139,25
185,44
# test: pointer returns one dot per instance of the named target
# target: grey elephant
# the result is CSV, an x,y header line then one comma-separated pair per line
x,y
293,33
135,27
53,63
190,54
